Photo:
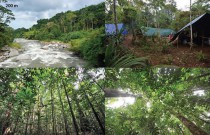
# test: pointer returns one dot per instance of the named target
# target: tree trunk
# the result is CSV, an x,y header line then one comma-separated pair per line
x,y
133,31
53,116
115,19
27,119
195,130
71,110
64,115
39,122
95,113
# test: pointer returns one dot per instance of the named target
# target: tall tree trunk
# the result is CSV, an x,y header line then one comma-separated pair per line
x,y
195,130
99,107
52,105
63,112
95,113
39,122
84,123
133,31
115,19
27,119
71,110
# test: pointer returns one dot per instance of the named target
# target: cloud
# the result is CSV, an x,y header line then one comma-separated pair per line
x,y
29,11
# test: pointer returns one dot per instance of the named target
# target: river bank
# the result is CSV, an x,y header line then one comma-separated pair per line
x,y
7,52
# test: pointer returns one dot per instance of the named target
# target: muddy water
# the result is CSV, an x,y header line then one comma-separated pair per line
x,y
36,54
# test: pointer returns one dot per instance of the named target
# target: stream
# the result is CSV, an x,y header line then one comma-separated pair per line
x,y
36,54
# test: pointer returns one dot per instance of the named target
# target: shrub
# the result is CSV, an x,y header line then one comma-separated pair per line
x,y
165,48
66,37
93,48
76,45
200,56
6,36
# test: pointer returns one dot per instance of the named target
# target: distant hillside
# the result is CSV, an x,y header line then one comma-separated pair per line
x,y
87,18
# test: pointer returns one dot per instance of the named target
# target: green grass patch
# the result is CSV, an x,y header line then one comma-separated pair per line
x,y
15,45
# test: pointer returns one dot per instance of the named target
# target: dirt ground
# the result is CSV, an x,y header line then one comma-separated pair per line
x,y
165,54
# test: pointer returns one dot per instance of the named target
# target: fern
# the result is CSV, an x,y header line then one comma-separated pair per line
x,y
114,58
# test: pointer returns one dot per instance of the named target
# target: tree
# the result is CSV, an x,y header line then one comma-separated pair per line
x,y
31,104
6,16
165,106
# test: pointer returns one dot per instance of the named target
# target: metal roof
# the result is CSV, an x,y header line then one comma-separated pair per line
x,y
194,22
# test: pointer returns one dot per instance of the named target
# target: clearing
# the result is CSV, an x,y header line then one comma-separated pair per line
x,y
159,52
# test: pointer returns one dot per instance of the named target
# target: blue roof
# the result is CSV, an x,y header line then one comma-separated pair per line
x,y
110,29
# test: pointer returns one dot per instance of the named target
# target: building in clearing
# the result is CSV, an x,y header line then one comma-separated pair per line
x,y
200,30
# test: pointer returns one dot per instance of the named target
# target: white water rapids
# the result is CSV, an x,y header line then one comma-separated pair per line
x,y
36,54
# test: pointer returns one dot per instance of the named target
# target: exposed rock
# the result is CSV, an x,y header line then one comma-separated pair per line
x,y
2,58
5,48
13,52
23,57
45,47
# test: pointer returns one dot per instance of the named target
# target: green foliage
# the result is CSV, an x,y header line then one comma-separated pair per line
x,y
200,56
76,45
62,24
114,58
71,36
47,98
6,36
18,33
29,34
93,48
15,45
168,103
6,16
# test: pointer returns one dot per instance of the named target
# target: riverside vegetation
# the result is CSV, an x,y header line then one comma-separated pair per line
x,y
82,30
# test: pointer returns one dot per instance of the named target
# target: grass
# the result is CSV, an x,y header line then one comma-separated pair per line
x,y
15,45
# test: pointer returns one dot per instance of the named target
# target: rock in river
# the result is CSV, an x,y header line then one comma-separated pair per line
x,y
13,52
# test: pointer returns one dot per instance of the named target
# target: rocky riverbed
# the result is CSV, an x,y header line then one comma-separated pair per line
x,y
7,52
35,53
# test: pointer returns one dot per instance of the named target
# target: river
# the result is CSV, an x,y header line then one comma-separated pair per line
x,y
36,54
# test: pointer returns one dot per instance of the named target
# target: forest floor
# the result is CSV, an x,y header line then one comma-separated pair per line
x,y
165,54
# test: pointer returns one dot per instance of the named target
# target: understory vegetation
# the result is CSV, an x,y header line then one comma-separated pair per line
x,y
144,21
166,101
51,101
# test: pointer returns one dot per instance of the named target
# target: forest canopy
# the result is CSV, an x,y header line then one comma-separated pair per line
x,y
171,101
51,101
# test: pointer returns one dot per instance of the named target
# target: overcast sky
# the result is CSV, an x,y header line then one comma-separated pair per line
x,y
183,4
29,11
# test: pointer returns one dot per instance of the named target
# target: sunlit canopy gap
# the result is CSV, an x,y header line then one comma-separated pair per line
x,y
120,102
173,101
45,101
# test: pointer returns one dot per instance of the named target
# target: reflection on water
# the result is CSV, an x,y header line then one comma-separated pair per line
x,y
38,55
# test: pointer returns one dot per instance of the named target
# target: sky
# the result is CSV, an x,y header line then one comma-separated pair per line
x,y
29,11
183,4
